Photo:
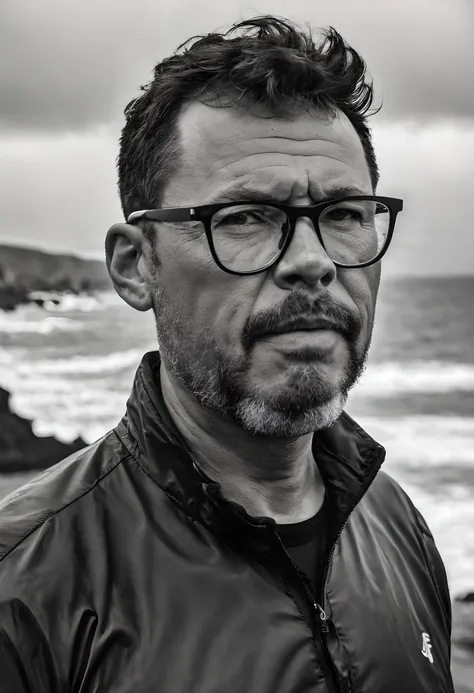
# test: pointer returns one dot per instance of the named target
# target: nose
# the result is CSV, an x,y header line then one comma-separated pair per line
x,y
305,261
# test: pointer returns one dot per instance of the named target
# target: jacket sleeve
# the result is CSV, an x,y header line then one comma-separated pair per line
x,y
26,663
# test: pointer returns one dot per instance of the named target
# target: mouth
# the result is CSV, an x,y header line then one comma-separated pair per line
x,y
305,326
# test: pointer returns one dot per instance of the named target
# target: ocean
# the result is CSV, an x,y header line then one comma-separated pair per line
x,y
70,369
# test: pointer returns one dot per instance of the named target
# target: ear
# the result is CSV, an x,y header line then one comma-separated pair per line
x,y
125,249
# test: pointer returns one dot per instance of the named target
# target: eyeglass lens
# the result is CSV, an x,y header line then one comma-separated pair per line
x,y
249,237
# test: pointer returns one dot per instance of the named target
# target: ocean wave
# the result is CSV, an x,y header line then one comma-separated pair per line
x,y
414,441
393,377
68,408
71,303
44,326
77,396
103,365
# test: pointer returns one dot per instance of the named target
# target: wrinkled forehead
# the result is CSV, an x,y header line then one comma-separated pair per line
x,y
230,148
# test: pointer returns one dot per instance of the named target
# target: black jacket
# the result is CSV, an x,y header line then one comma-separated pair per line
x,y
124,570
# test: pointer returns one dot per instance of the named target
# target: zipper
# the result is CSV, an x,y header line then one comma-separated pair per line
x,y
323,626
328,665
318,629
341,529
324,629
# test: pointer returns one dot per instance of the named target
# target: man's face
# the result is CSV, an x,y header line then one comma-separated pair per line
x,y
217,331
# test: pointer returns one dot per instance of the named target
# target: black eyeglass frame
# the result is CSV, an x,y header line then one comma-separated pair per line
x,y
204,214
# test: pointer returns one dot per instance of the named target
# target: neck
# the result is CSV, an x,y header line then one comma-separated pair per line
x,y
273,477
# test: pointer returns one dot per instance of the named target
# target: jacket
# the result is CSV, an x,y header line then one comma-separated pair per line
x,y
123,569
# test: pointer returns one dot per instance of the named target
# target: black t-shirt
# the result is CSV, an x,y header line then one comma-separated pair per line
x,y
306,543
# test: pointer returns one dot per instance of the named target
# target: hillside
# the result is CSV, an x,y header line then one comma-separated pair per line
x,y
23,270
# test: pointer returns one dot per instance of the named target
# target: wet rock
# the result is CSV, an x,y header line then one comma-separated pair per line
x,y
467,598
463,621
21,449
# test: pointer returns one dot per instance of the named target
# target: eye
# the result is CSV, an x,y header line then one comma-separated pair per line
x,y
243,218
348,214
240,218
252,218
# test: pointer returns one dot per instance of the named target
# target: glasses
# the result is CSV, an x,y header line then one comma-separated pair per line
x,y
251,237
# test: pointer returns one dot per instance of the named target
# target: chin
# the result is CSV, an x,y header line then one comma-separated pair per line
x,y
263,418
301,388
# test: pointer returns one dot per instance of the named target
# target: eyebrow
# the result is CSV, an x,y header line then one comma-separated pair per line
x,y
237,195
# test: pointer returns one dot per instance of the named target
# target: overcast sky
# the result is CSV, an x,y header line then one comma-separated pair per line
x,y
69,67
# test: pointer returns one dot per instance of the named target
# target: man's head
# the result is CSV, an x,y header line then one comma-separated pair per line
x,y
262,111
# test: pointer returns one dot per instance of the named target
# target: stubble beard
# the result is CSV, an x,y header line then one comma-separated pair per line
x,y
220,384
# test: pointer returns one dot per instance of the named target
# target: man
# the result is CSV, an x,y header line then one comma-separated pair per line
x,y
233,533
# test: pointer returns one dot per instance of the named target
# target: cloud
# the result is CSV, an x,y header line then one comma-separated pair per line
x,y
75,65
432,169
60,193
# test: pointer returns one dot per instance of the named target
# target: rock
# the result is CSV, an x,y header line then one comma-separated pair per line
x,y
463,622
467,598
11,297
21,449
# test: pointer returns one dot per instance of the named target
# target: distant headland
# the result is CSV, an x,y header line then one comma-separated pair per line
x,y
24,271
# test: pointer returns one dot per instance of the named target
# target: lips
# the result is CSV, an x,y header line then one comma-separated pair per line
x,y
305,325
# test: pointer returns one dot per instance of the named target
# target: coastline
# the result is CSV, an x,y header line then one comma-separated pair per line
x,y
25,270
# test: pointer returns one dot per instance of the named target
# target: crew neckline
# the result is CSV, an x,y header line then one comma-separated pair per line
x,y
297,533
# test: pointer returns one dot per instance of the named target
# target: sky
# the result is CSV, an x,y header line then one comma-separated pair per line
x,y
68,69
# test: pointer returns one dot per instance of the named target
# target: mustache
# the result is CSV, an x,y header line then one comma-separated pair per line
x,y
299,308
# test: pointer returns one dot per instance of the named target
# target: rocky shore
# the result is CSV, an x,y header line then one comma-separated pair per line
x,y
24,271
20,449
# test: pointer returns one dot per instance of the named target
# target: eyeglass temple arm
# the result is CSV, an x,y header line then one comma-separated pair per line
x,y
176,214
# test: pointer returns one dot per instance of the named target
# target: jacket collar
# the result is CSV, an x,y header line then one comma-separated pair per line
x,y
347,457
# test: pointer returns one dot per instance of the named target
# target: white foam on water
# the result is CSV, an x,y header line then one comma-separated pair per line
x,y
423,440
43,326
68,409
67,398
83,365
73,303
391,378
70,303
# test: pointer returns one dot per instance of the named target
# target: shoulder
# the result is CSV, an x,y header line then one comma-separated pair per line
x,y
28,509
387,497
47,530
385,490
400,521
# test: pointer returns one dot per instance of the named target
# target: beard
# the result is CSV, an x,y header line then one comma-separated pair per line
x,y
221,384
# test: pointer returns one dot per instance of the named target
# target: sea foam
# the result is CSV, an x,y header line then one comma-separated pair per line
x,y
389,378
43,326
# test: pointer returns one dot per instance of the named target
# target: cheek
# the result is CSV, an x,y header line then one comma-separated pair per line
x,y
209,300
188,275
362,287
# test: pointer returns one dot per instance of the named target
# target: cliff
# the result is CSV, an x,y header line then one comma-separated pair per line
x,y
23,270
21,449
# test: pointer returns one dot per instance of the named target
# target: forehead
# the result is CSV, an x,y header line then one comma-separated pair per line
x,y
230,148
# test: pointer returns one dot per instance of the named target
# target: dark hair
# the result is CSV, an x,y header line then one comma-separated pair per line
x,y
265,61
